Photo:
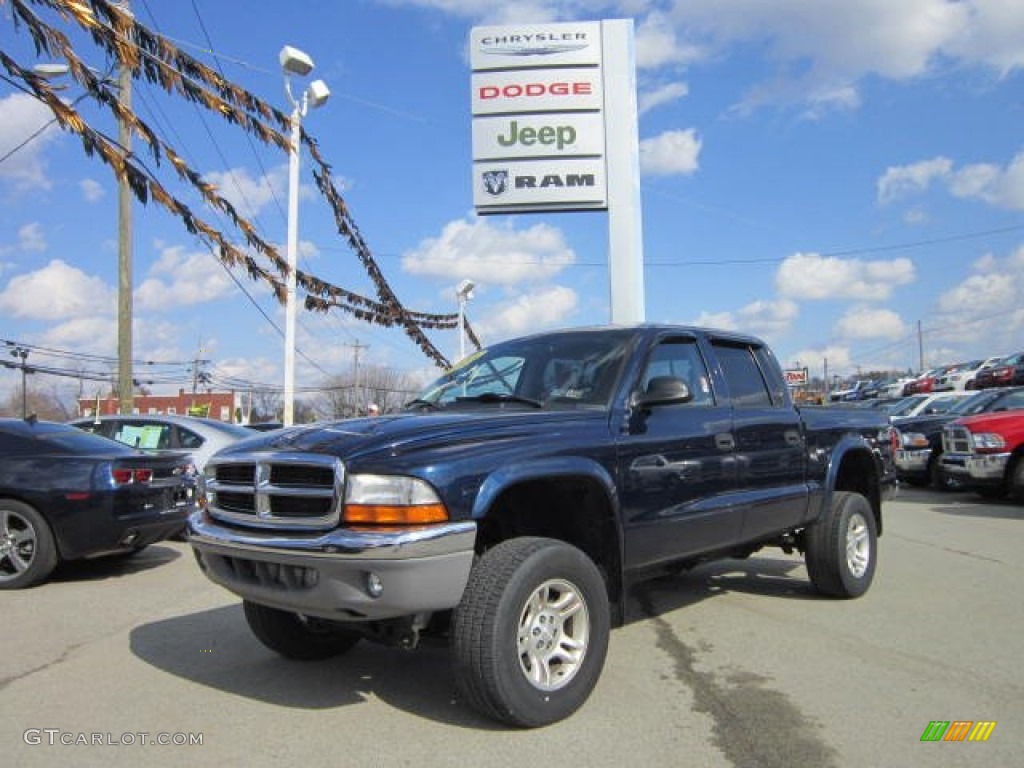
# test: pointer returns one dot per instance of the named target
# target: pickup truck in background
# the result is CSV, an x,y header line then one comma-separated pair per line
x,y
514,502
987,452
919,458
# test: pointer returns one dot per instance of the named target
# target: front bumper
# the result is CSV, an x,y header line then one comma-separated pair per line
x,y
329,574
912,463
988,467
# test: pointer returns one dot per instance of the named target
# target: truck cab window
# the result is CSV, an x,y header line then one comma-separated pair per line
x,y
680,359
747,386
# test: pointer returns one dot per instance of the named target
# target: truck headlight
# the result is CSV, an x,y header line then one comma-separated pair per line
x,y
391,500
988,442
914,440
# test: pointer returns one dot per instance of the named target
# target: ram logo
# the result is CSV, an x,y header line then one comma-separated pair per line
x,y
495,182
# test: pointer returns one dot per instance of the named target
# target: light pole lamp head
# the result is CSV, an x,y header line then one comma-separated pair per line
x,y
465,290
295,62
317,94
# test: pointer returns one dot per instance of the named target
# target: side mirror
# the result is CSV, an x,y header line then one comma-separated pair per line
x,y
664,390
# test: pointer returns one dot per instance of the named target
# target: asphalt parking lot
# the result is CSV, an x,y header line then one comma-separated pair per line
x,y
737,663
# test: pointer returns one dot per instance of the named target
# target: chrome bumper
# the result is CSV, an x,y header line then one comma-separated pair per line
x,y
988,466
341,574
912,461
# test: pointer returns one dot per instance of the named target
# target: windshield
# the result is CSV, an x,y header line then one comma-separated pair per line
x,y
904,406
571,368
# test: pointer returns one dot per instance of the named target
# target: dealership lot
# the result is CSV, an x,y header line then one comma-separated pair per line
x,y
735,664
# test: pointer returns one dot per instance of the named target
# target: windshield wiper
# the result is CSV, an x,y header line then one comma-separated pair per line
x,y
500,397
419,402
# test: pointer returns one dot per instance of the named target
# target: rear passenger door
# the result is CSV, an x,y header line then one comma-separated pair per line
x,y
768,439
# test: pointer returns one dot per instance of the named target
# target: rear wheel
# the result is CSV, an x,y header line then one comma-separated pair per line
x,y
842,547
531,633
295,636
28,553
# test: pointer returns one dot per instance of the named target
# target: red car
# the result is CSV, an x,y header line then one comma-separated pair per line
x,y
1006,373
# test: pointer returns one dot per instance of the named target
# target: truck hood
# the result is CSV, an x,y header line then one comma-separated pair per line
x,y
1002,421
408,434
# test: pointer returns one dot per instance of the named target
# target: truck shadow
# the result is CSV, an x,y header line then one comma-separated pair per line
x,y
778,577
214,648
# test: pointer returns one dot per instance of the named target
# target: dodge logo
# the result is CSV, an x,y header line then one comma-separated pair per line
x,y
495,182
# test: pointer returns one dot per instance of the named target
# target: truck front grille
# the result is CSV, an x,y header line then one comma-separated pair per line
x,y
956,439
294,491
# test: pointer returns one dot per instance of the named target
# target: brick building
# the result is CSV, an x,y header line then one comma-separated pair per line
x,y
222,406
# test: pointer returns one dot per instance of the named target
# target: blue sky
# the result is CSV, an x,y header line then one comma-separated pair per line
x,y
827,174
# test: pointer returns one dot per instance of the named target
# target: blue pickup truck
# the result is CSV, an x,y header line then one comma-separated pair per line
x,y
511,505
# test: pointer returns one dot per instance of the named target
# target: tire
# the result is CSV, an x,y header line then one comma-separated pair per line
x,y
28,553
295,636
530,636
937,478
842,547
1017,480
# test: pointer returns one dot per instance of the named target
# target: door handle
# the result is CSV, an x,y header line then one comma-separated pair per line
x,y
724,442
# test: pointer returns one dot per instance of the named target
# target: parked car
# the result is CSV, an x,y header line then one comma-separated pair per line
x,y
923,405
66,494
919,458
958,376
1005,373
925,383
199,436
987,452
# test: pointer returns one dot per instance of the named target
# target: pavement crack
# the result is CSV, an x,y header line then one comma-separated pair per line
x,y
6,681
951,550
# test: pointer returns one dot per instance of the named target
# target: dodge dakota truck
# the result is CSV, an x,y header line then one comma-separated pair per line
x,y
509,508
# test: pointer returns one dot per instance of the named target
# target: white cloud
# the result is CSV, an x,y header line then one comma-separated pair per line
x,y
769,319
870,323
812,276
56,292
179,278
23,116
251,195
671,153
663,94
92,190
491,252
30,238
988,182
526,313
902,180
1003,188
987,307
658,43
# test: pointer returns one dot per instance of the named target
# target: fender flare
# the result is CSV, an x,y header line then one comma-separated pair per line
x,y
847,444
542,469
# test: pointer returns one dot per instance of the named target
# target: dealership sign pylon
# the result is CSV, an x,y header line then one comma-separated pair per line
x,y
555,129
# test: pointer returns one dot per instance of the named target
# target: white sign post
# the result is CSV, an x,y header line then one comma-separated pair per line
x,y
555,129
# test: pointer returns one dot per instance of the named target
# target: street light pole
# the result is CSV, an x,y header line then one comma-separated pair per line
x,y
295,62
22,352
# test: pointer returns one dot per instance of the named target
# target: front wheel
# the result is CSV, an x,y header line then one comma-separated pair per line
x,y
531,633
1017,480
842,547
295,636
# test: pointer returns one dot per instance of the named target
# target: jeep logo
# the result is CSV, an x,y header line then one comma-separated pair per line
x,y
560,136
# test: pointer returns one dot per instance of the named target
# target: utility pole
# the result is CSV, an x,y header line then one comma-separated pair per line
x,y
356,347
920,348
124,245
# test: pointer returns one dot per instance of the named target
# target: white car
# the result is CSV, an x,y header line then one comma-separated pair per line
x,y
168,432
962,377
922,405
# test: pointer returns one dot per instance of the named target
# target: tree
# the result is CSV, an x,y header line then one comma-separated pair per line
x,y
387,387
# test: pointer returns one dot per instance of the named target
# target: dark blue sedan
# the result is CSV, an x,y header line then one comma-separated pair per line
x,y
66,494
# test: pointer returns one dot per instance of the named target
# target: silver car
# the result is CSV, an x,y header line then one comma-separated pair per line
x,y
162,432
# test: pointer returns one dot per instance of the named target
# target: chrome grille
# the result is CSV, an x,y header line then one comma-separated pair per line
x,y
956,439
286,490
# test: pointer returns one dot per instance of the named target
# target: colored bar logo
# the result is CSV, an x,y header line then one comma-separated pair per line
x,y
958,730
